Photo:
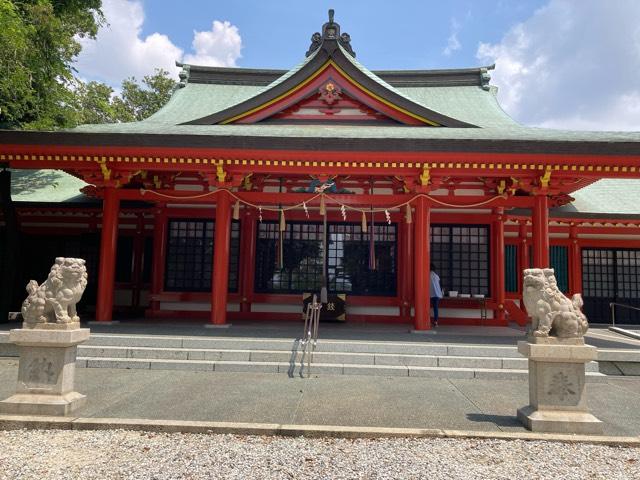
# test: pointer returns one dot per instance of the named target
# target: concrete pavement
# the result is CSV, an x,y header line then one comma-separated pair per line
x,y
355,401
479,405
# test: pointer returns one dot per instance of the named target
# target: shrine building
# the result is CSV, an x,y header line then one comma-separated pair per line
x,y
252,187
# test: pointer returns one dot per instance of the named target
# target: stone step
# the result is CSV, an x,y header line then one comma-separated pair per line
x,y
234,343
379,359
316,368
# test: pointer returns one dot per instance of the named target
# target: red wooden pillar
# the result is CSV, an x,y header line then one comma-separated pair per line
x,y
498,264
108,244
159,254
406,269
575,261
422,319
541,232
248,234
222,243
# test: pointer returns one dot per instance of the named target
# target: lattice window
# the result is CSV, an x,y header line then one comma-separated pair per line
x,y
628,274
302,258
190,255
348,260
460,254
611,276
598,273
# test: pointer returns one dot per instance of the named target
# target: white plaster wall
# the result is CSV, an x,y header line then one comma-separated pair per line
x,y
276,308
195,306
365,310
459,313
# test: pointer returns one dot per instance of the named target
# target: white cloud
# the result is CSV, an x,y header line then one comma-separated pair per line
x,y
572,65
219,47
453,43
120,51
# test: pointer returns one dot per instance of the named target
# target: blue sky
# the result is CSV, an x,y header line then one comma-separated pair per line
x,y
406,34
572,64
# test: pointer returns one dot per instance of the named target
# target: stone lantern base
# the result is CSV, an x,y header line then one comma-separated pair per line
x,y
557,386
46,370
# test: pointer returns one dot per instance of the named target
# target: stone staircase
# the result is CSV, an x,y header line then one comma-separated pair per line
x,y
284,356
332,357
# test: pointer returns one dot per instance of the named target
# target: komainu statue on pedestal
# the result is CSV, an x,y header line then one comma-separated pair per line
x,y
551,312
55,300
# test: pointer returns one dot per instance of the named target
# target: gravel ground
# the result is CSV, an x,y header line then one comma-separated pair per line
x,y
115,454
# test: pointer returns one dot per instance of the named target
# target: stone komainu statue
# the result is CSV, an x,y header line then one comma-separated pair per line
x,y
551,312
55,300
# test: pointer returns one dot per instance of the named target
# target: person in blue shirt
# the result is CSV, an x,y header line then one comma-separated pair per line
x,y
435,293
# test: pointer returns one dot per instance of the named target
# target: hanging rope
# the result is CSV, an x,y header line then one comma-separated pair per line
x,y
324,196
233,195
372,233
408,218
281,230
372,244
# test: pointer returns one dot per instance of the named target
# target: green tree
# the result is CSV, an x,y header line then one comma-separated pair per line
x,y
138,102
96,102
38,43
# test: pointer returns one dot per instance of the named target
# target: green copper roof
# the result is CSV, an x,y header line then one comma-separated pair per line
x,y
468,103
607,196
471,104
497,132
196,100
381,82
45,186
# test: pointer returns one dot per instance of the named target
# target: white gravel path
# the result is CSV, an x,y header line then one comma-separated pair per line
x,y
119,454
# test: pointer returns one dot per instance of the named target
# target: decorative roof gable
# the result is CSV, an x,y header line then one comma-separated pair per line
x,y
330,86
333,103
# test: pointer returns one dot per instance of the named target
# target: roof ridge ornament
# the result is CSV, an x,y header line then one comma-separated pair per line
x,y
330,32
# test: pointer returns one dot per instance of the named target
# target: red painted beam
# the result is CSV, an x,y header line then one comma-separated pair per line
x,y
184,159
379,201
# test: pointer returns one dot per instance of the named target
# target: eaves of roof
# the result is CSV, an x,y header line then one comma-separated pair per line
x,y
285,137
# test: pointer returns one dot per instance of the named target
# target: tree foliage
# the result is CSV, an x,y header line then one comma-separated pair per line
x,y
142,101
38,43
98,103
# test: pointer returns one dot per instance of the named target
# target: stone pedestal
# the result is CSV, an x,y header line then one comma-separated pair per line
x,y
557,386
46,371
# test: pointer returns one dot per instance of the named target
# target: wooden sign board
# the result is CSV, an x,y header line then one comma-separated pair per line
x,y
333,310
